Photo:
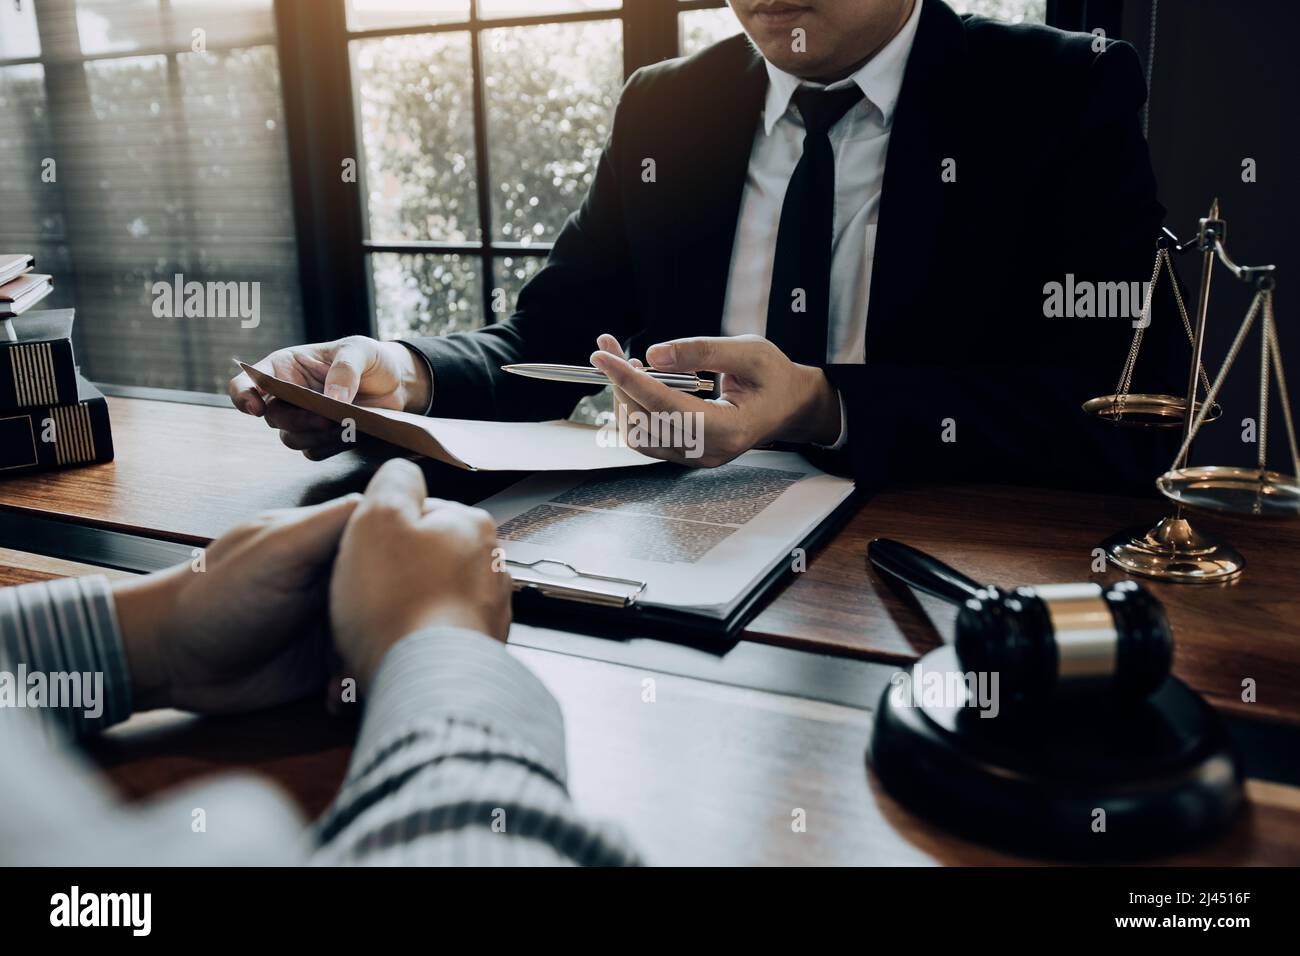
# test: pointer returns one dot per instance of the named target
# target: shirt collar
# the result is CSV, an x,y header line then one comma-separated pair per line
x,y
880,78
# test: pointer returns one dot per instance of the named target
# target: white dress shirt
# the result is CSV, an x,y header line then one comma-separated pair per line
x,y
860,141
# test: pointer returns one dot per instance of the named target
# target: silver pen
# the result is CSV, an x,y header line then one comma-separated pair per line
x,y
679,381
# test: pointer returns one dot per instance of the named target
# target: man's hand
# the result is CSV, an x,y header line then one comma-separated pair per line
x,y
407,563
355,369
243,626
762,396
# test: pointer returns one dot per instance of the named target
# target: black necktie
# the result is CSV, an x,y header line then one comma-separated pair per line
x,y
799,304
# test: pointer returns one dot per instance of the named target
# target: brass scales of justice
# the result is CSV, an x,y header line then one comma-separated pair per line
x,y
1173,550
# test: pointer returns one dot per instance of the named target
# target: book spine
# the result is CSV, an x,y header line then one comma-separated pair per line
x,y
55,437
37,373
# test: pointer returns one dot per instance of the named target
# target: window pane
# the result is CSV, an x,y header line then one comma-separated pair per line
x,y
134,171
119,193
118,26
31,209
532,8
417,294
236,189
703,28
1014,11
416,117
127,26
223,22
179,167
33,215
511,274
18,36
383,14
164,167
550,92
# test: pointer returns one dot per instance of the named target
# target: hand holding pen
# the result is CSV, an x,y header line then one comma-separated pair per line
x,y
761,396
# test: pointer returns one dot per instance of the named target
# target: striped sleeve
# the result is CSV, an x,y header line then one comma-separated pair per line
x,y
61,654
460,761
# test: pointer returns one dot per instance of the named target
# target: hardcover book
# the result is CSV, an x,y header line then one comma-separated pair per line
x,y
21,294
12,266
38,367
57,436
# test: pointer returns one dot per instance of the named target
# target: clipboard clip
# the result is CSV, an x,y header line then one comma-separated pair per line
x,y
547,585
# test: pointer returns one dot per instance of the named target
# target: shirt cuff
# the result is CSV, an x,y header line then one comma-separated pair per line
x,y
463,676
428,365
64,637
844,426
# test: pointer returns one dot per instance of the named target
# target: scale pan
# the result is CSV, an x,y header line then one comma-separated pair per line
x,y
1242,491
1144,411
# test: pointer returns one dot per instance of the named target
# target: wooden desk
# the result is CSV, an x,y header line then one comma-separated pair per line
x,y
708,774
187,473
711,772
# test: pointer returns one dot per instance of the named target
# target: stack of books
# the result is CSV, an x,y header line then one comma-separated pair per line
x,y
20,288
50,417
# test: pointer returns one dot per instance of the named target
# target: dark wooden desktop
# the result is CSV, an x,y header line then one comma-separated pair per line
x,y
738,739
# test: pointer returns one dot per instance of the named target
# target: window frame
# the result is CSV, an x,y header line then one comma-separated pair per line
x,y
334,243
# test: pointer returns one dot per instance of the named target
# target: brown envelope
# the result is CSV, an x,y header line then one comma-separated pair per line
x,y
472,445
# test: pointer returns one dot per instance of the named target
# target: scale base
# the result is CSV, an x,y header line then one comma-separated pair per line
x,y
1174,551
1091,778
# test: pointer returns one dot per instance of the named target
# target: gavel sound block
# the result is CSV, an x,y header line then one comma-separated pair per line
x,y
1052,725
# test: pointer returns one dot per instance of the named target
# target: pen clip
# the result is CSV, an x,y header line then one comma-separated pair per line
x,y
547,586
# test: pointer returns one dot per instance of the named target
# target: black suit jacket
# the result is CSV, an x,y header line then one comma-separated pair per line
x,y
1052,177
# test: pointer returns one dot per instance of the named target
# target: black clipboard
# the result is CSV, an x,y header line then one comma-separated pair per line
x,y
535,603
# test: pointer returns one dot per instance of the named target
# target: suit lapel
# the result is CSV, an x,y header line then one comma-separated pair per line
x,y
721,139
914,199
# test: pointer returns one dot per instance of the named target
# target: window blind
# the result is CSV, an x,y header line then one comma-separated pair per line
x,y
141,141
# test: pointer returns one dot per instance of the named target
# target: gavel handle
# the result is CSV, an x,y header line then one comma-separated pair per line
x,y
919,570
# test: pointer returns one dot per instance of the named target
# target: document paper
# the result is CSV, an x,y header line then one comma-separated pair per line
x,y
701,539
464,443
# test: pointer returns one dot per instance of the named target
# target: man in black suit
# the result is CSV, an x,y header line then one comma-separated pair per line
x,y
874,217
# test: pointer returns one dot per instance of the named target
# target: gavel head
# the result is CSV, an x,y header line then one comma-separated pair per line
x,y
1060,637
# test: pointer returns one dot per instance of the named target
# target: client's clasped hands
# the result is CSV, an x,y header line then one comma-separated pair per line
x,y
248,623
